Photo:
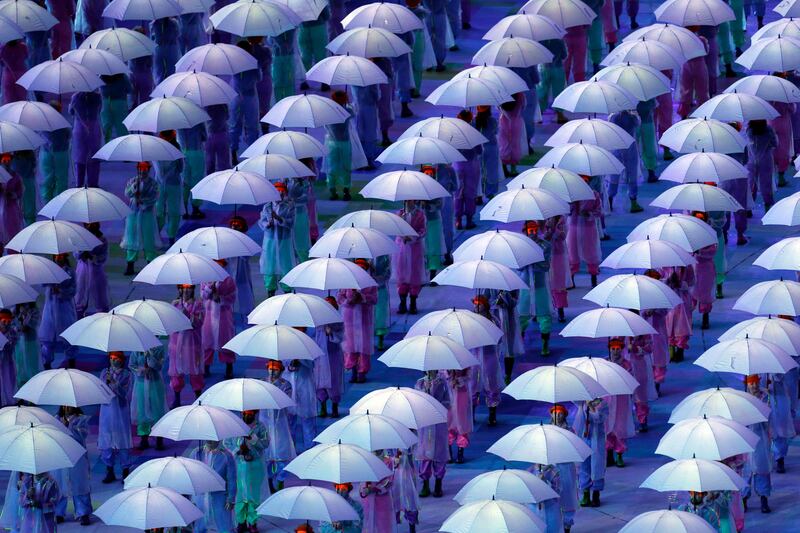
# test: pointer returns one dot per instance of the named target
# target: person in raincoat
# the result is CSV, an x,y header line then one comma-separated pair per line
x,y
312,36
27,361
504,309
535,302
619,427
402,66
217,145
705,275
628,121
386,99
88,19
511,136
761,144
239,269
244,119
91,282
583,237
140,226
409,260
54,159
639,352
38,494
459,415
382,274
567,473
218,299
351,526
277,247
419,46
299,189
490,151
782,125
283,65
338,164
781,418
7,364
263,56
24,164
576,40
694,79
329,369
595,34
757,470
280,450
166,33
13,64
530,75
115,105
709,507
149,400
376,500
304,396
86,137
486,377
358,311
191,33
367,120
468,176
664,115
75,482
248,451
11,193
434,236
548,510
38,43
437,28
552,78
61,36
114,432
404,488
446,177
217,506
168,205
185,347
141,76
590,424
739,189
631,9
191,141
432,451
58,314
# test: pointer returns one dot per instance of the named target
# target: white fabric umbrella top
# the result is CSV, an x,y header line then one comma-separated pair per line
x,y
412,408
508,248
219,59
468,92
783,255
328,274
109,332
563,183
786,27
584,159
9,30
28,15
35,449
480,274
770,88
97,61
555,384
305,111
642,81
611,376
420,151
165,113
493,515
647,254
138,147
565,13
785,333
199,422
86,204
32,269
294,144
15,291
595,96
401,185
368,42
200,87
347,70
590,131
736,107
633,291
516,205
527,26
383,221
454,131
467,328
510,81
148,508
696,197
787,8
721,402
142,9
245,394
254,19
513,52
428,352
746,356
161,318
674,36
181,474
544,444
646,51
180,268
216,242
274,342
308,503
38,116
607,322
776,297
703,167
234,186
338,463
712,438
699,475
785,212
694,12
667,521
16,137
703,135
53,237
124,43
687,232
296,310
65,386
774,54
368,431
393,17
307,10
352,243
512,485
22,415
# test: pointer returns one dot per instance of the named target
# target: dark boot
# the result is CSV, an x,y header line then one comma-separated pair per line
x,y
449,454
765,505
271,486
228,370
561,317
86,520
437,488
460,456
125,472
59,520
620,462
403,308
432,274
780,465
323,409
405,111
426,489
643,427
334,410
412,307
324,87
159,443
129,269
545,344
561,118
234,158
634,24
610,203
176,401
658,390
782,180
668,155
595,498
492,416
729,72
412,528
198,393
585,499
241,528
594,280
333,195
680,355
207,371
110,477
380,343
705,323
651,176
609,457
719,291
635,207
470,223
197,214
346,195
760,22
354,376
508,363
71,362
744,504
144,443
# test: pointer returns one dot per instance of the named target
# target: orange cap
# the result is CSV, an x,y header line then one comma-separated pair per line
x,y
363,263
558,409
274,364
116,355
616,344
752,378
143,165
480,300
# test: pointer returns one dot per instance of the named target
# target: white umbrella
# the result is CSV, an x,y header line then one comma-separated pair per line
x,y
328,274
289,143
393,17
368,42
699,475
109,332
138,147
142,9
308,503
124,43
369,431
787,8
648,253
38,116
512,485
785,212
200,87
667,521
166,113
696,197
401,185
180,268
746,356
673,36
703,134
32,269
181,474
774,54
296,310
515,52
508,248
563,183
199,422
420,151
611,376
510,81
216,242
383,221
642,81
347,70
338,463
633,291
555,384
245,394
275,167
254,19
736,107
307,10
694,12
219,59
65,386
527,26
770,88
195,6
35,449
148,508
234,186
27,15
454,131
785,333
53,237
412,408
584,159
780,256
721,402
274,342
15,291
480,274
86,204
595,96
495,515
684,231
467,328
352,243
607,322
515,205
645,51
785,27
16,137
711,438
468,92
543,444
97,61
565,13
777,297
305,111
591,131
705,167
428,352
159,317
22,415
9,30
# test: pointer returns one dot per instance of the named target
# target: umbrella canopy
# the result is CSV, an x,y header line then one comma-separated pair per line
x,y
305,111
591,131
402,185
711,438
296,310
308,503
770,88
673,36
32,269
736,107
565,13
338,463
148,508
142,9
508,248
307,10
181,268
274,342
65,386
595,96
428,352
199,422
607,322
216,242
705,167
543,444
412,408
480,274
234,186
200,87
516,205
368,42
584,159
787,8
85,204
245,394
159,317
746,356
181,474
294,144
511,485
99,62
721,402
785,212
9,30
786,27
35,449
696,197
469,329
166,113
388,16
218,59
555,384
785,333
346,70
668,521
504,77
611,376
21,415
124,43
420,151
647,52
684,231
383,221
703,135
37,116
53,237
468,92
777,297
563,183
514,52
527,26
16,137
454,131
14,291
328,274
494,515
138,147
699,475
780,256
634,291
352,243
642,81
773,54
368,431
694,12
109,332
27,15
254,19
648,254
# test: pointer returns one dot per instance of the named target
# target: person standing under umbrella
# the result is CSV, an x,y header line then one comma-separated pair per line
x,y
432,449
13,64
376,499
114,433
244,119
185,347
38,494
168,205
141,76
165,32
446,177
679,318
367,120
402,65
358,311
552,77
530,75
762,142
338,160
583,237
140,226
27,362
739,189
487,376
757,470
87,137
628,121
303,412
91,282
277,247
512,138
620,418
590,424
263,56
239,269
490,152
248,451
555,231
382,274
218,299
329,369
504,309
24,164
705,277
61,37
191,33
283,64
409,261
549,510
459,415
312,36
58,314
149,393
468,176
694,78
348,526
88,19
115,105
280,449
658,319
217,506
576,40
217,146
54,159
38,43
191,143
386,99
404,488
567,474
434,233
781,418
639,351
11,193
7,363
437,28
782,125
535,302
420,51
301,190
75,482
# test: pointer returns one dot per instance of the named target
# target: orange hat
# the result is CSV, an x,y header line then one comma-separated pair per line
x,y
168,135
340,486
363,263
616,344
60,257
752,378
6,314
701,215
116,355
340,97
480,300
304,528
221,262
274,364
558,409
586,178
483,108
465,115
711,183
143,165
250,412
6,158
653,273
238,223
430,170
331,300
531,227
281,186
186,286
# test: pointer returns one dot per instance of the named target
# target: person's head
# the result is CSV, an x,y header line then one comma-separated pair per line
x,y
331,300
304,528
61,260
431,374
170,136
757,127
340,97
6,317
585,178
274,368
558,414
363,263
531,227
412,4
245,45
93,228
238,223
221,262
615,347
281,187
256,39
753,383
186,291
484,109
66,411
143,168
116,359
5,159
702,215
429,170
212,444
249,416
465,115
343,489
409,205
652,273
481,304
693,29
696,497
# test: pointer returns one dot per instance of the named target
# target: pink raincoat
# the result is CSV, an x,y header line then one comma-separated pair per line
x,y
185,355
583,237
358,312
705,278
408,263
218,299
555,230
